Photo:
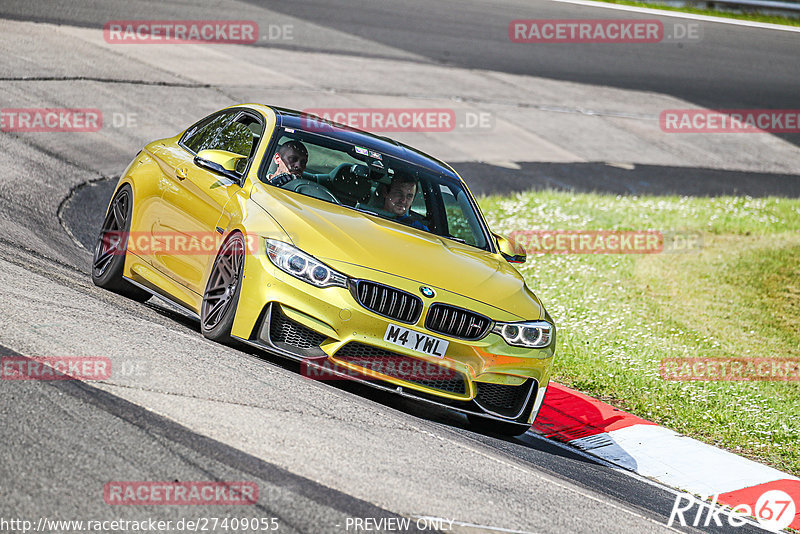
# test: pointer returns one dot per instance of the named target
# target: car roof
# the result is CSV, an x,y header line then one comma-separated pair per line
x,y
290,118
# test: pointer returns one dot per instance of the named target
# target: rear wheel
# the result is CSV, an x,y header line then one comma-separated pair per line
x,y
492,426
112,244
222,290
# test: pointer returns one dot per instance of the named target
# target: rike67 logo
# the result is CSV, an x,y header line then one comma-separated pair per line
x,y
774,510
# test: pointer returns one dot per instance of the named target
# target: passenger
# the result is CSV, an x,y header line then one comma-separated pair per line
x,y
397,199
291,158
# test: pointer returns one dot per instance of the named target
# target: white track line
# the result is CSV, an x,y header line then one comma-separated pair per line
x,y
678,14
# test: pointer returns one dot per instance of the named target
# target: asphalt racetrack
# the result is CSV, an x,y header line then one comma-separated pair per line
x,y
327,455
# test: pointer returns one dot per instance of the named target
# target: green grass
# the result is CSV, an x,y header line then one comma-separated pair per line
x,y
619,315
753,16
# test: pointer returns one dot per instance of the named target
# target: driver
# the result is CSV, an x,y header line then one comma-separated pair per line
x,y
291,159
397,199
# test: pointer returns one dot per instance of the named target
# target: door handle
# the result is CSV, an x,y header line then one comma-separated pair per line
x,y
181,173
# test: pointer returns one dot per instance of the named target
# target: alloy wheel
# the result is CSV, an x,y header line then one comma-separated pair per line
x,y
112,239
223,283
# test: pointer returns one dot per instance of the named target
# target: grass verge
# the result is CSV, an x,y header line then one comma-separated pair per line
x,y
619,315
752,16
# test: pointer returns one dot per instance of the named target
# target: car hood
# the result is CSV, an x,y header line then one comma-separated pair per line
x,y
342,237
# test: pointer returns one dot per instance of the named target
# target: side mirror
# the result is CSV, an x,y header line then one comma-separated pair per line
x,y
219,161
512,251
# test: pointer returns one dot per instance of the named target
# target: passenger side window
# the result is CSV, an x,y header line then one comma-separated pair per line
x,y
461,222
207,136
418,206
234,132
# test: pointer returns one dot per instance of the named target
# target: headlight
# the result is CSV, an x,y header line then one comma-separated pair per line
x,y
294,261
530,334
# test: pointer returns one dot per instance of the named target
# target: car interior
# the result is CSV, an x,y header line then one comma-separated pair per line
x,y
357,178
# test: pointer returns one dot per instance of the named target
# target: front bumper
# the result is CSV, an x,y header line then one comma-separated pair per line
x,y
337,338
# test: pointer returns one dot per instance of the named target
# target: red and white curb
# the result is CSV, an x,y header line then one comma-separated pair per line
x,y
656,452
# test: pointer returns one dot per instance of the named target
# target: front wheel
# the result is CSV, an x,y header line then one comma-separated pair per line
x,y
112,244
222,290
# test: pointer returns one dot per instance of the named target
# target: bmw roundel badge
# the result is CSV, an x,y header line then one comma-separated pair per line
x,y
427,292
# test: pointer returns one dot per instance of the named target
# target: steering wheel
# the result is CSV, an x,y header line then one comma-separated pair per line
x,y
311,189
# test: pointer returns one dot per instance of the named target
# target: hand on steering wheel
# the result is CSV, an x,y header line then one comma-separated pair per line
x,y
282,179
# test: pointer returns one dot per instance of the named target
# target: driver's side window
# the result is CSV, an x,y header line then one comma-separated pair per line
x,y
273,166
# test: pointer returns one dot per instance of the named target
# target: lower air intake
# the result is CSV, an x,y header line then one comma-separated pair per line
x,y
284,330
503,399
403,367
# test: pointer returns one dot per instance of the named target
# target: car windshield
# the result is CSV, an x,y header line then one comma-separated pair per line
x,y
381,185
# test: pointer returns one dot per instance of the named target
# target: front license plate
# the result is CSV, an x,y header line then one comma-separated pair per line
x,y
432,346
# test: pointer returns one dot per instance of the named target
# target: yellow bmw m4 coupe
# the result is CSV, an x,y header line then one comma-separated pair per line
x,y
361,257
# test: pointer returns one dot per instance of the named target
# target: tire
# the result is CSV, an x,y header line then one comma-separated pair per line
x,y
485,425
108,260
221,295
